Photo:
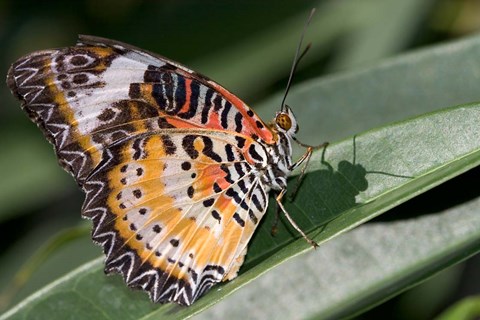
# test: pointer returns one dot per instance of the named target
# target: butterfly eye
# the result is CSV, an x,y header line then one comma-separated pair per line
x,y
283,121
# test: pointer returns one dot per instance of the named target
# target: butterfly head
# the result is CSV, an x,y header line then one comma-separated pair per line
x,y
286,122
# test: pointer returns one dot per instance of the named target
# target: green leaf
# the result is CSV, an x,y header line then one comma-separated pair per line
x,y
360,269
20,184
391,165
32,268
466,309
375,33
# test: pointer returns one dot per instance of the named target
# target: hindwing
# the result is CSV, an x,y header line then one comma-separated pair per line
x,y
174,211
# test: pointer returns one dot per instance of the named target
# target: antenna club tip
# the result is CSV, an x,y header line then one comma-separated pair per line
x,y
312,12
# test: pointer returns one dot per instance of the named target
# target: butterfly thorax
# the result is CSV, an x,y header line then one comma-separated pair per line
x,y
279,163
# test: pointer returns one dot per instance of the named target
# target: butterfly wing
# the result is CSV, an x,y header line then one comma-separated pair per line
x,y
164,155
111,90
174,211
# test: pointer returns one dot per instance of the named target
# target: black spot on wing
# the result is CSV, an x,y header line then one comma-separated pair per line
x,y
217,103
152,74
208,202
180,92
186,165
78,60
208,150
257,203
137,193
264,196
169,146
238,122
207,106
238,219
216,215
254,154
80,78
241,185
217,188
252,216
187,144
229,152
240,142
164,124
224,116
234,194
238,167
107,115
228,176
138,147
190,192
244,205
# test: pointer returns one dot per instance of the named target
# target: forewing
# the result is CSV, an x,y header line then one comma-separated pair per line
x,y
100,92
174,211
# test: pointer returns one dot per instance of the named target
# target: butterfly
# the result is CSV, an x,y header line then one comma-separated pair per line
x,y
176,169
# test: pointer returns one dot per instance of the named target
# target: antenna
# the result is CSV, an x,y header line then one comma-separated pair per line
x,y
297,58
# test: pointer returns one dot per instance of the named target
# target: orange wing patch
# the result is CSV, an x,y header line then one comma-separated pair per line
x,y
176,210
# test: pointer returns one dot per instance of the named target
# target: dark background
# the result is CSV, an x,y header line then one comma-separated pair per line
x,y
38,200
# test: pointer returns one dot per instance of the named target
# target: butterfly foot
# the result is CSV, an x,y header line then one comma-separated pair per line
x,y
282,208
274,231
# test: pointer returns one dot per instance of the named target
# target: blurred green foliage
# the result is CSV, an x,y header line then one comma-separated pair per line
x,y
246,46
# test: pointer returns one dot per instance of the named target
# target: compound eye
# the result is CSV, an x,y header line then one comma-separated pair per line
x,y
283,121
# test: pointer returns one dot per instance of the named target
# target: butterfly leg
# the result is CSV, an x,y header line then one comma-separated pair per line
x,y
279,202
304,158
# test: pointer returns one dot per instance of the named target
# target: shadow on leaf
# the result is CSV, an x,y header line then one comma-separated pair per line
x,y
323,196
